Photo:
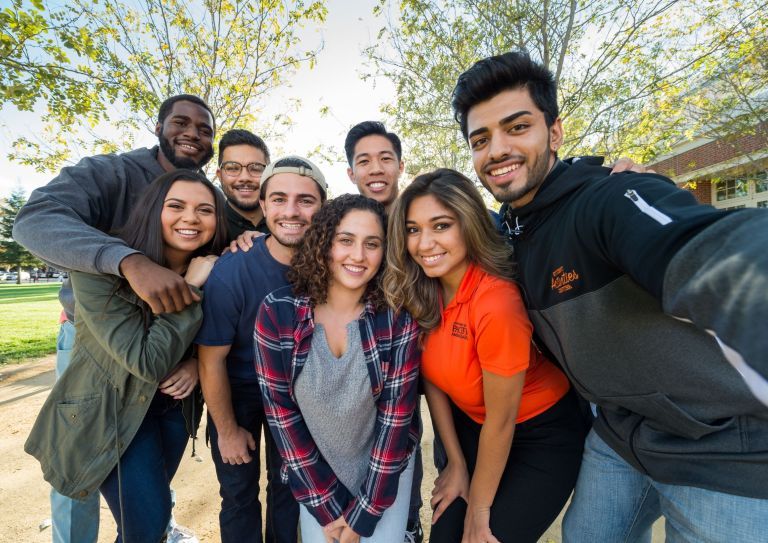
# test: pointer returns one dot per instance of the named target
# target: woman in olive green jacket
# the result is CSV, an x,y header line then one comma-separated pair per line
x,y
114,420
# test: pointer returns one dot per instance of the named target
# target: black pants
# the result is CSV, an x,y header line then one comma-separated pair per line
x,y
540,474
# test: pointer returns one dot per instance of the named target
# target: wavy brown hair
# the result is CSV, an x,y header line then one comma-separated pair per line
x,y
405,283
310,272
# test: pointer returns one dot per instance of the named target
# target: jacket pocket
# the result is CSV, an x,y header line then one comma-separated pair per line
x,y
78,412
663,415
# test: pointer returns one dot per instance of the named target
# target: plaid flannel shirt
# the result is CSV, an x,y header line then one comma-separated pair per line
x,y
282,339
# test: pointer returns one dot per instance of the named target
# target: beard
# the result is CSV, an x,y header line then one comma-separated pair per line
x,y
236,202
182,162
537,172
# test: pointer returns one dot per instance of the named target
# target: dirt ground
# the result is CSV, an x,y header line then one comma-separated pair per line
x,y
24,505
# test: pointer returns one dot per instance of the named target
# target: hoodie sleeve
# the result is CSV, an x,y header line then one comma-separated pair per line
x,y
64,222
706,266
719,281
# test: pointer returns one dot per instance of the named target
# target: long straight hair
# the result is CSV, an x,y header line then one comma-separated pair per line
x,y
405,283
143,230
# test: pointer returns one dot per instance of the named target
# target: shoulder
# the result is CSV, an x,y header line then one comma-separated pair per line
x,y
496,296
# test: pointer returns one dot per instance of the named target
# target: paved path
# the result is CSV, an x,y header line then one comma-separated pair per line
x,y
24,505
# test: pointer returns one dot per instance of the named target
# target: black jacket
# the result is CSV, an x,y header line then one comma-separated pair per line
x,y
598,256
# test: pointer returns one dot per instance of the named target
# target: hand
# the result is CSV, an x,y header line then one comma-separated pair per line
x,y
477,526
181,381
332,531
628,165
235,448
163,290
199,269
452,483
340,527
244,241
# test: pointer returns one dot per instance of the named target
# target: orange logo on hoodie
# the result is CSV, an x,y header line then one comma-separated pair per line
x,y
562,281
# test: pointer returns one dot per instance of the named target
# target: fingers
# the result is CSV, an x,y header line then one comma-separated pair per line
x,y
438,511
251,442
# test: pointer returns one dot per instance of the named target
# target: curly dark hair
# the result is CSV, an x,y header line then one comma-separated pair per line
x,y
310,272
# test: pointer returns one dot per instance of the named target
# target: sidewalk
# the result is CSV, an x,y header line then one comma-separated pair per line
x,y
24,501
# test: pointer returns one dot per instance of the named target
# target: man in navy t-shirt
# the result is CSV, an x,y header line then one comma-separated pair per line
x,y
292,191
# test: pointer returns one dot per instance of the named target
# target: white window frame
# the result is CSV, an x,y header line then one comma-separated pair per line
x,y
753,198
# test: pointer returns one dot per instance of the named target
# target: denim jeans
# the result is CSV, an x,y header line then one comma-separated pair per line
x,y
615,502
73,521
391,526
139,495
240,516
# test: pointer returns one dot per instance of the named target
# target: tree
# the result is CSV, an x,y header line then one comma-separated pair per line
x,y
11,253
626,69
82,58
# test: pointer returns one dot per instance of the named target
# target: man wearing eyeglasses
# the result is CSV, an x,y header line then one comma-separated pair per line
x,y
242,159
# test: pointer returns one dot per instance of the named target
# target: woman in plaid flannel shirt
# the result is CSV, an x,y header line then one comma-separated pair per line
x,y
324,327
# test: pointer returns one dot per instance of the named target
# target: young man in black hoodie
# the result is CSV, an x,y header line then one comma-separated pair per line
x,y
654,305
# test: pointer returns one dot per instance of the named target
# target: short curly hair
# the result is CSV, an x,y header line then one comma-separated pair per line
x,y
310,272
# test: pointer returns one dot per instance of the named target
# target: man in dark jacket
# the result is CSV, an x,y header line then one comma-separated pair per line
x,y
68,223
654,305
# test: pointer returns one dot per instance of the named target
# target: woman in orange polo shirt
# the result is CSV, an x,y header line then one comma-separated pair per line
x,y
484,379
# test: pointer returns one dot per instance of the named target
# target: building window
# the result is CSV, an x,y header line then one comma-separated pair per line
x,y
740,192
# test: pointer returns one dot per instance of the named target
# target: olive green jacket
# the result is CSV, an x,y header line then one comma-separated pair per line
x,y
98,404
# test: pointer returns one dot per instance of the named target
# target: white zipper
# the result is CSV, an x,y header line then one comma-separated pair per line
x,y
646,208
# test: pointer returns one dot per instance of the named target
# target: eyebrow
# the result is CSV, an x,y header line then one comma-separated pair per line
x,y
301,195
384,152
352,234
506,120
436,218
189,119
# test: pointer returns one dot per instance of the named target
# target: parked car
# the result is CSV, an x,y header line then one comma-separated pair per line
x,y
13,276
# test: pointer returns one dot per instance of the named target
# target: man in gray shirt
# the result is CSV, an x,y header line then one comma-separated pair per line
x,y
68,223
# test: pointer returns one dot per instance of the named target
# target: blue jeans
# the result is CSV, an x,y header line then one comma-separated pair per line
x,y
240,516
146,469
73,521
391,526
615,502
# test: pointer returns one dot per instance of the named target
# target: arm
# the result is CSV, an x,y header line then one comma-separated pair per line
x,y
502,400
311,479
719,281
395,407
453,481
119,327
705,265
234,442
64,222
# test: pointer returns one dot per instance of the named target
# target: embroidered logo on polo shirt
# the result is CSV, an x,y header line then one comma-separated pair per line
x,y
459,330
562,281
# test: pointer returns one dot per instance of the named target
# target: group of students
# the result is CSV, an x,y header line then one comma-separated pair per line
x,y
371,300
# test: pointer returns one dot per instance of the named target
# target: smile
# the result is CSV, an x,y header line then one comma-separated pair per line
x,y
187,233
353,269
291,225
189,148
505,169
431,259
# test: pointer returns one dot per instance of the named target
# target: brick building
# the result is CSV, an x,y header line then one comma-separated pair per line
x,y
729,173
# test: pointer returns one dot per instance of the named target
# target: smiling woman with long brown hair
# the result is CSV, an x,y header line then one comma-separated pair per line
x,y
485,381
118,420
338,371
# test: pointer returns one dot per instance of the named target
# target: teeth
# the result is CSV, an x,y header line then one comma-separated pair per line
x,y
377,185
431,259
354,269
505,169
187,232
188,147
291,225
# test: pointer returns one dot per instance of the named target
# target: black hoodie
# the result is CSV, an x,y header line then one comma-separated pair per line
x,y
597,256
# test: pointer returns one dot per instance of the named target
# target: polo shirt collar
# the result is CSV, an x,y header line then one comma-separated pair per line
x,y
469,284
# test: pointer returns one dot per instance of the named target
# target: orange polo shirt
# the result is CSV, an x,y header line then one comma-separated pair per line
x,y
486,327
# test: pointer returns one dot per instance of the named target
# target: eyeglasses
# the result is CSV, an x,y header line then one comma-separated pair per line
x,y
232,168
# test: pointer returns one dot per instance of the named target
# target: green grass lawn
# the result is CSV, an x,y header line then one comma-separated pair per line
x,y
29,316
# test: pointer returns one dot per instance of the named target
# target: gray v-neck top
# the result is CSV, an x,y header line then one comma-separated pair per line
x,y
336,401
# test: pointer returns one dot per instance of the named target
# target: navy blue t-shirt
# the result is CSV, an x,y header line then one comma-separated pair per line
x,y
237,285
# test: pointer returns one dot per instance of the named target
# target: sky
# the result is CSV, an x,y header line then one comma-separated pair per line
x,y
335,82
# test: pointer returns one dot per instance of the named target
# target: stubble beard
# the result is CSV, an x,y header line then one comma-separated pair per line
x,y
537,172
